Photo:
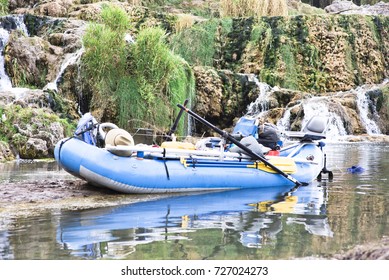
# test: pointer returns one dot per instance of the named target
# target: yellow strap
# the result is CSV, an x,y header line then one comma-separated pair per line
x,y
183,162
285,164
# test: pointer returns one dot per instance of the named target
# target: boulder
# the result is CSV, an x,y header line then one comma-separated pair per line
x,y
349,8
34,148
339,6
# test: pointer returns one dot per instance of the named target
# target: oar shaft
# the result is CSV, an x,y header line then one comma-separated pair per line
x,y
222,133
175,124
226,135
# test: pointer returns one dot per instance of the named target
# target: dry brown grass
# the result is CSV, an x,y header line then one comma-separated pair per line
x,y
277,8
184,21
256,8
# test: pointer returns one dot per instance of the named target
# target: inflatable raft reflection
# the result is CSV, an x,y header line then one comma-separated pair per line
x,y
255,214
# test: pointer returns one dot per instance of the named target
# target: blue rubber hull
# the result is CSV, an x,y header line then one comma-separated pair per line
x,y
133,175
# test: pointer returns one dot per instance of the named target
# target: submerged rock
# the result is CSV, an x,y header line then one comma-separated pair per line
x,y
367,252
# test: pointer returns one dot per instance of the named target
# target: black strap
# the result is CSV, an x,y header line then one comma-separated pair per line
x,y
60,147
164,163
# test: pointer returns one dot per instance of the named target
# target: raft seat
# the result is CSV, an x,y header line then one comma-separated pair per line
x,y
314,129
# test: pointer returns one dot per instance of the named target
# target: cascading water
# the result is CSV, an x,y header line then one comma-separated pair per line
x,y
5,82
312,107
366,108
328,106
71,59
7,24
261,104
319,106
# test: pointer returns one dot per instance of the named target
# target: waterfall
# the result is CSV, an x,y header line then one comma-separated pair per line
x,y
366,108
319,106
70,59
5,81
328,106
284,123
8,23
312,107
261,104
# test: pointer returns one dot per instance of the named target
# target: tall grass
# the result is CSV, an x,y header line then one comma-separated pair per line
x,y
253,8
4,7
138,83
161,78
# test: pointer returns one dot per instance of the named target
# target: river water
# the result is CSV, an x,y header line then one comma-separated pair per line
x,y
318,220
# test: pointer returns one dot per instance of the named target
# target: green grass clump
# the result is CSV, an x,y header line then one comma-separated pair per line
x,y
160,78
4,7
144,80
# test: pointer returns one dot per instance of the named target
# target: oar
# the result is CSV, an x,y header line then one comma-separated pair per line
x,y
175,124
251,153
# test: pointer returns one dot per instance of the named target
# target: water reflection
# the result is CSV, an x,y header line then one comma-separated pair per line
x,y
321,219
21,170
256,215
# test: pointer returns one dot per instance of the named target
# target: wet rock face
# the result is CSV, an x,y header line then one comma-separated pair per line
x,y
221,96
233,93
306,54
38,138
5,152
316,53
34,58
57,8
31,60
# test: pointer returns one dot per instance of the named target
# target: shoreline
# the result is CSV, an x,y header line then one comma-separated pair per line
x,y
33,197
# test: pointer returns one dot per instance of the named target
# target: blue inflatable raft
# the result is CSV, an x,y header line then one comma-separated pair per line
x,y
171,168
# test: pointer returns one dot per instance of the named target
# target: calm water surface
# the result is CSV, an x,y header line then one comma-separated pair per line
x,y
318,220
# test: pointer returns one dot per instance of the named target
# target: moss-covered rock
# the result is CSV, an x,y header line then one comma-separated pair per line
x,y
30,128
5,152
31,61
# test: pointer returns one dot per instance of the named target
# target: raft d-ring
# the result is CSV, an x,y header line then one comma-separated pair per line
x,y
310,157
